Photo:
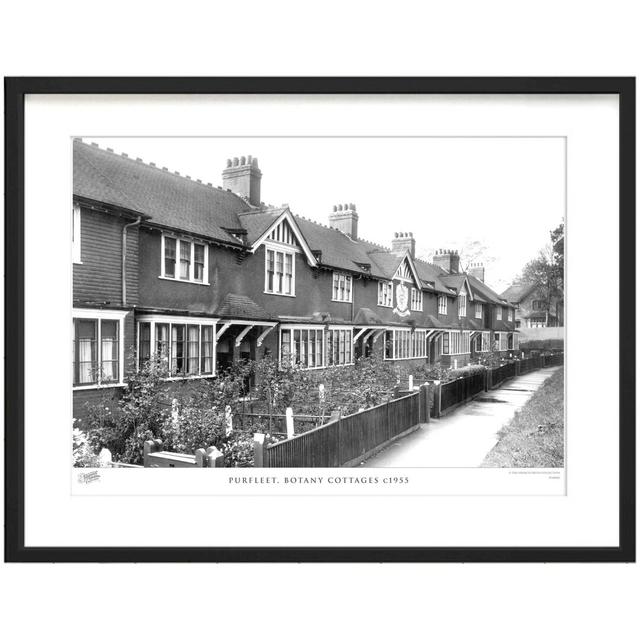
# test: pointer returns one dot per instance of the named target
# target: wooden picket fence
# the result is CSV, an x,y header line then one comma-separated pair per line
x,y
348,440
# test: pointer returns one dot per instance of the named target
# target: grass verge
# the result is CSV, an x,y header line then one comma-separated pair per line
x,y
535,435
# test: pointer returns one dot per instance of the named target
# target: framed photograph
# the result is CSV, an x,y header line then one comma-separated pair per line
x,y
320,319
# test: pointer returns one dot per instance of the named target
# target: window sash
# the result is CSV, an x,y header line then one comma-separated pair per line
x,y
416,300
442,305
96,351
385,293
279,272
341,287
478,310
462,305
186,347
184,260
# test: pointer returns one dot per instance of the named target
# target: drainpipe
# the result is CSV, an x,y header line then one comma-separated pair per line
x,y
124,258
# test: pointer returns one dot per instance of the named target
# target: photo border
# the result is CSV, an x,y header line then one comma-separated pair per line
x,y
15,91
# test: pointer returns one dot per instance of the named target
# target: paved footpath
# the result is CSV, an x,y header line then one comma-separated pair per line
x,y
465,436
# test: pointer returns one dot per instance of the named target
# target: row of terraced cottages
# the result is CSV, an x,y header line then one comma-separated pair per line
x,y
204,275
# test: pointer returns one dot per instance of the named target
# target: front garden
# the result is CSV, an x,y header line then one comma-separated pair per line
x,y
196,414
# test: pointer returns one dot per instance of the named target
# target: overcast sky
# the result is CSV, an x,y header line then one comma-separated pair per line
x,y
504,193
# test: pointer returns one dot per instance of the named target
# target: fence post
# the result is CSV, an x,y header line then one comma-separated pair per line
x,y
258,449
215,458
427,408
150,446
289,421
437,398
200,457
410,382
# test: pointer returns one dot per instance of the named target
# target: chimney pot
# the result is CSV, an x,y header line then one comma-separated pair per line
x,y
403,242
243,178
345,219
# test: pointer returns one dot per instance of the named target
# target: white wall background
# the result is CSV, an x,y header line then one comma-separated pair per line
x,y
333,38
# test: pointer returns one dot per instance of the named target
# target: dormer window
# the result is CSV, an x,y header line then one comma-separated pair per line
x,y
184,259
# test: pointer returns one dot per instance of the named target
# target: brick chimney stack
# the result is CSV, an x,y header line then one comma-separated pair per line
x,y
243,177
403,241
476,269
345,219
448,260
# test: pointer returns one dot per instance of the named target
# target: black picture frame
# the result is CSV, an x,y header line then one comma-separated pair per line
x,y
15,91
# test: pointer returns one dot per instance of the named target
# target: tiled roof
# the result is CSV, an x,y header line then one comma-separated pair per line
x,y
339,250
256,223
431,273
488,294
517,292
171,200
366,316
235,306
180,203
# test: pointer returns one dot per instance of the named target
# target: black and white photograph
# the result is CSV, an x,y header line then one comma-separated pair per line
x,y
384,302
359,311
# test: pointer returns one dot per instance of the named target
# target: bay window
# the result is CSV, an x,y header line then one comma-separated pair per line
x,y
404,344
302,347
185,345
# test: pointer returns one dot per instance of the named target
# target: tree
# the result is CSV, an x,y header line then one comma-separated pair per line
x,y
546,272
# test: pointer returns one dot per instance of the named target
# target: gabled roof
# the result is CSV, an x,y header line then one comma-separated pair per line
x,y
485,292
516,293
430,273
171,200
457,281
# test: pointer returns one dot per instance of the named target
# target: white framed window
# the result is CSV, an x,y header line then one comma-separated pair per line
x,y
342,285
186,344
510,314
500,340
416,299
385,293
76,235
486,341
279,271
98,348
455,343
479,310
442,305
498,313
462,304
339,346
404,344
302,346
184,259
